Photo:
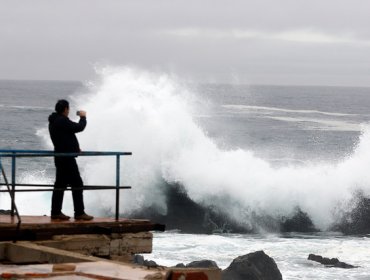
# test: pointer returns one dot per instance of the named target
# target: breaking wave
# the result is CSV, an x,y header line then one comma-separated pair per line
x,y
151,115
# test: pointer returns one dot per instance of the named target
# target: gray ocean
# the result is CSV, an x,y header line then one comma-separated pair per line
x,y
264,148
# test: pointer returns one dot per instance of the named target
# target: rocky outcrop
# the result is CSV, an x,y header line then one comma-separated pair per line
x,y
139,260
191,217
5,212
357,219
188,216
333,262
299,222
253,266
203,264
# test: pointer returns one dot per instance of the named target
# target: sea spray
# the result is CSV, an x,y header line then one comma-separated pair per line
x,y
31,203
152,115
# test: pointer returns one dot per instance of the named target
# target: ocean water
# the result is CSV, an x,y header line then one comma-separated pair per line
x,y
244,149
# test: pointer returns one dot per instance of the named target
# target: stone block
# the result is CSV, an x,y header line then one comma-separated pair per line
x,y
103,245
131,243
2,250
128,258
27,252
87,244
64,267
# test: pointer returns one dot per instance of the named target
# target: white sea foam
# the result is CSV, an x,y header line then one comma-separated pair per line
x,y
24,107
290,254
151,115
320,124
275,109
30,203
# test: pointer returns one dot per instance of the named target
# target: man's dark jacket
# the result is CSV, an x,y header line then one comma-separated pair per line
x,y
62,132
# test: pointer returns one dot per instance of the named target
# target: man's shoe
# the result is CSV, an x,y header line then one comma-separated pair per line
x,y
60,216
84,217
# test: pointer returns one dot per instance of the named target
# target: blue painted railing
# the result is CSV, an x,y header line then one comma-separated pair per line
x,y
14,154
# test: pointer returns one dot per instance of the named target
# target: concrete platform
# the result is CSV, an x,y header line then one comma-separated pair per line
x,y
88,270
98,249
70,265
43,228
106,271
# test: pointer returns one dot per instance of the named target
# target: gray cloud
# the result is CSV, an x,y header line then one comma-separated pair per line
x,y
265,41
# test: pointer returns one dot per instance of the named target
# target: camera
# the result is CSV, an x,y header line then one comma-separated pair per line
x,y
78,113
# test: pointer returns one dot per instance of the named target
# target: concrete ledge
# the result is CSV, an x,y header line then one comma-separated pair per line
x,y
86,270
101,245
131,243
37,228
76,264
108,271
27,252
87,244
2,250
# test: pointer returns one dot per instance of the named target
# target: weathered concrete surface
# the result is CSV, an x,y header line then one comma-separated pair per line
x,y
43,228
27,252
2,250
108,270
116,246
72,265
103,269
131,243
87,244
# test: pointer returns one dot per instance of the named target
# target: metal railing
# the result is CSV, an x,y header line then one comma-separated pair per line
x,y
11,186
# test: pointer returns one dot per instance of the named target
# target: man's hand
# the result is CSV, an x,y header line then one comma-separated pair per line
x,y
82,113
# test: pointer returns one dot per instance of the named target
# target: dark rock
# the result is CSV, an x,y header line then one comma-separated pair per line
x,y
357,220
138,259
203,264
180,265
150,263
299,222
191,217
316,258
5,212
185,214
253,266
333,262
345,265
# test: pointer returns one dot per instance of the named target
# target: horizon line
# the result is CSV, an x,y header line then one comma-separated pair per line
x,y
205,83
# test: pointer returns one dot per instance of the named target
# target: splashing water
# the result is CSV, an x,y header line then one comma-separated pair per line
x,y
152,115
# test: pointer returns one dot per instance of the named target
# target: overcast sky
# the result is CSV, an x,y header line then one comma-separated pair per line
x,y
298,42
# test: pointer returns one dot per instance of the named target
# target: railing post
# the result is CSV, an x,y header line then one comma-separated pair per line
x,y
13,184
117,185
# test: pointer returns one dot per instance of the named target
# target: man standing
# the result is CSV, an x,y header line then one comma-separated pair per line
x,y
62,132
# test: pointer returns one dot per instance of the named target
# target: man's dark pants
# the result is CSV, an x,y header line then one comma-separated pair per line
x,y
67,174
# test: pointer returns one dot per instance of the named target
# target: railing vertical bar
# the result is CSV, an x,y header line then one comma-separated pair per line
x,y
13,202
117,185
13,183
1,169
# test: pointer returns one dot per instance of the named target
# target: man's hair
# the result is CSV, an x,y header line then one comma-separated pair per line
x,y
61,105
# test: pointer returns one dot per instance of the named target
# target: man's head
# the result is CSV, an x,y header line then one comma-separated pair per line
x,y
62,107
